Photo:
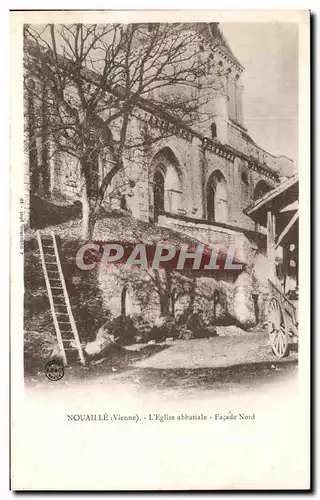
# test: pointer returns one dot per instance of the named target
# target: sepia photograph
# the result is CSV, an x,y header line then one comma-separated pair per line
x,y
159,239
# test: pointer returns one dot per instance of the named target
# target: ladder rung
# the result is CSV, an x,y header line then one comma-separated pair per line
x,y
63,319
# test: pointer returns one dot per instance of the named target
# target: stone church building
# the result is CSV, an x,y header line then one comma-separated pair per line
x,y
198,179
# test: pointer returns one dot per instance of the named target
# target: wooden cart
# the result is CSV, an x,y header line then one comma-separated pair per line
x,y
282,322
277,210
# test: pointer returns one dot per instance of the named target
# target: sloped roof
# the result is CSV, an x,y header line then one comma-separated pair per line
x,y
278,198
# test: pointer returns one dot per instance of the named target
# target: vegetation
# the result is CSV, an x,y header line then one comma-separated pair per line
x,y
87,87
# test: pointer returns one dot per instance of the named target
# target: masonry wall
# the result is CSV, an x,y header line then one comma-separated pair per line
x,y
213,294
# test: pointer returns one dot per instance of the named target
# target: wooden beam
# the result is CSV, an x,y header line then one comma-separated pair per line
x,y
270,195
287,228
271,241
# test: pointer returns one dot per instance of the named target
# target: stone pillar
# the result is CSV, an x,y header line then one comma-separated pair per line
x,y
271,243
239,107
235,191
197,179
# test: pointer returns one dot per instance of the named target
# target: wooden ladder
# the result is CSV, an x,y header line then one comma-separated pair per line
x,y
63,320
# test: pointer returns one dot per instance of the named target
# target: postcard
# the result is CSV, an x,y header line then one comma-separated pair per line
x,y
160,240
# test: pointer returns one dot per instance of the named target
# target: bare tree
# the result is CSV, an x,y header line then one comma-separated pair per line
x,y
97,79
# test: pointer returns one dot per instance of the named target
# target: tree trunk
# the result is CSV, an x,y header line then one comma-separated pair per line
x,y
90,207
164,305
88,217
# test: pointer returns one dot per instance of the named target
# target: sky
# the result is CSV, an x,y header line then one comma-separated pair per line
x,y
269,53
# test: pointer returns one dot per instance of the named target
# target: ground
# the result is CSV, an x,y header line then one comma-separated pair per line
x,y
234,360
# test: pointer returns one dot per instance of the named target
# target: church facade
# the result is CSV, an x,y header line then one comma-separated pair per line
x,y
196,179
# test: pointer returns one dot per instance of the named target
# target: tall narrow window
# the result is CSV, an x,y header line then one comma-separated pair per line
x,y
213,130
245,187
158,194
217,198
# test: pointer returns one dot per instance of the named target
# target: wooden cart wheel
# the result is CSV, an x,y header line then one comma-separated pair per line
x,y
277,329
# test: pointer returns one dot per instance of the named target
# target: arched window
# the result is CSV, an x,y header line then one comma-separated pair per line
x,y
167,183
217,198
244,178
213,130
261,188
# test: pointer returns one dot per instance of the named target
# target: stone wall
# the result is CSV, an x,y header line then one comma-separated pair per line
x,y
137,293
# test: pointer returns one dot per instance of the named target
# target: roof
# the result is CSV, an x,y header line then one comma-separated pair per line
x,y
276,200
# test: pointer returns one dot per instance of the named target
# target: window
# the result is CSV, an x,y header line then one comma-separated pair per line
x,y
213,130
244,178
245,187
217,198
158,194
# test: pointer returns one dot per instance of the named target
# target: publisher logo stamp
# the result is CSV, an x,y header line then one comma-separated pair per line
x,y
54,370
